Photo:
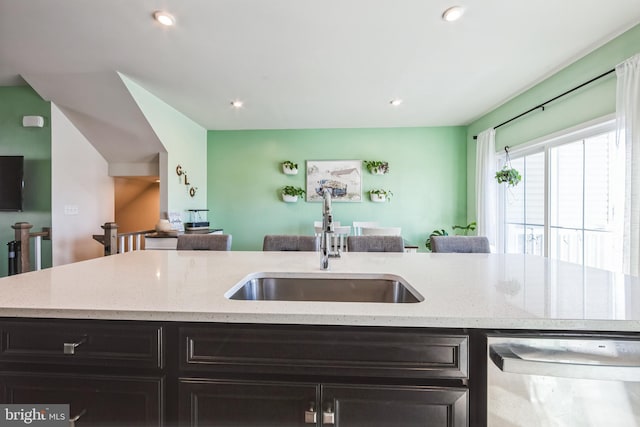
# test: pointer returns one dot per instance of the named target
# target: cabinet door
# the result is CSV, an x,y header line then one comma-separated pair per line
x,y
96,400
205,402
406,406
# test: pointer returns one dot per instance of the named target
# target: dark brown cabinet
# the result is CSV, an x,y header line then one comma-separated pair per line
x,y
322,376
164,374
93,400
208,402
110,373
406,406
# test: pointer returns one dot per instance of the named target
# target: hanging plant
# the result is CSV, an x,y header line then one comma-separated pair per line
x,y
508,174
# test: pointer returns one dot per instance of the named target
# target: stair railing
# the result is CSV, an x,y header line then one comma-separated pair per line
x,y
115,243
22,241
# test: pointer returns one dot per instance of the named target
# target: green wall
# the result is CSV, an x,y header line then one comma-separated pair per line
x,y
185,143
427,177
595,100
35,145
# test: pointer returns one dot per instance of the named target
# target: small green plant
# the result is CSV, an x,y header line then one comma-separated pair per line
x,y
441,232
382,193
375,166
290,190
464,228
508,175
289,164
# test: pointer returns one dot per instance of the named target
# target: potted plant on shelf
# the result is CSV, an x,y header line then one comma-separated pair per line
x,y
380,195
290,193
507,174
377,167
289,168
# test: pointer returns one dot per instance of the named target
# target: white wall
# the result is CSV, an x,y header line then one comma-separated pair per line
x,y
82,193
186,145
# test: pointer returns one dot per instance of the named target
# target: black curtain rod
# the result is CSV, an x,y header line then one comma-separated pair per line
x,y
552,99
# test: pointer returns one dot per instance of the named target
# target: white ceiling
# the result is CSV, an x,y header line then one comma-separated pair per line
x,y
302,63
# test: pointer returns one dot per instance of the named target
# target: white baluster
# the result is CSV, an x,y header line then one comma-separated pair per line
x,y
121,247
38,253
130,243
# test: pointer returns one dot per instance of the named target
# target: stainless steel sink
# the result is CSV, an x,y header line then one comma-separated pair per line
x,y
385,288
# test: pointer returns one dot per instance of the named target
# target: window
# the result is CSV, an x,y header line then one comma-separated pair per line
x,y
569,205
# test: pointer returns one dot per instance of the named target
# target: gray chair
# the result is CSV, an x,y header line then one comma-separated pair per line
x,y
204,242
460,244
279,242
375,244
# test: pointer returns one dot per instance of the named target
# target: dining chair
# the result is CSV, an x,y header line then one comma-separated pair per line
x,y
460,244
290,242
204,242
375,244
317,226
381,231
357,226
339,236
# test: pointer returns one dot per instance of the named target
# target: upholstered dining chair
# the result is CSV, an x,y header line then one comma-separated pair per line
x,y
460,244
281,242
204,242
375,244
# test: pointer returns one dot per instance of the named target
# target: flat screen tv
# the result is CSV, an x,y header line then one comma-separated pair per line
x,y
11,182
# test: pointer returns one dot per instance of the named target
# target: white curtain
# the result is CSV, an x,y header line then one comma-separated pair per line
x,y
486,186
628,133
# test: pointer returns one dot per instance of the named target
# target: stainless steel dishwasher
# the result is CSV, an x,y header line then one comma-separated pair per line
x,y
563,381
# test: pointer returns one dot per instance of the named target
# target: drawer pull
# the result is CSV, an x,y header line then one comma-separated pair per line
x,y
311,416
328,416
72,420
70,347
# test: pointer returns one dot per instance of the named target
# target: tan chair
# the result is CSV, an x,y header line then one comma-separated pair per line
x,y
460,244
277,242
204,242
381,231
375,244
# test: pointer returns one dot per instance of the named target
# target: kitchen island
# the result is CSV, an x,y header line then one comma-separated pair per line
x,y
154,333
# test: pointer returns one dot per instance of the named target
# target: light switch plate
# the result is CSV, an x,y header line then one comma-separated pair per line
x,y
71,209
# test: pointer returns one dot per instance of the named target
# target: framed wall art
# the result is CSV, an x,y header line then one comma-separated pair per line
x,y
343,178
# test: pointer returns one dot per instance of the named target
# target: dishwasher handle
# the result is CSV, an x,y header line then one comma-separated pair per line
x,y
508,361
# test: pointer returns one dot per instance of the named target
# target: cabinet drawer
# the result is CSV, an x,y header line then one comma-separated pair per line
x,y
81,344
95,400
340,351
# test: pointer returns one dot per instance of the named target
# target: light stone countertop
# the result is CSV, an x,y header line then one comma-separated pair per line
x,y
460,291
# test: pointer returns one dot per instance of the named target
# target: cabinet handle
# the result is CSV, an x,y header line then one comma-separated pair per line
x,y
328,416
311,416
72,420
70,347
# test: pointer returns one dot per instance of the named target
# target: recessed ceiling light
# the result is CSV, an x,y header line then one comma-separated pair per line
x,y
395,102
236,104
164,18
453,13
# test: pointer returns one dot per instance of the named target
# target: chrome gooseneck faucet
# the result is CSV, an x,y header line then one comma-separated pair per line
x,y
327,229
